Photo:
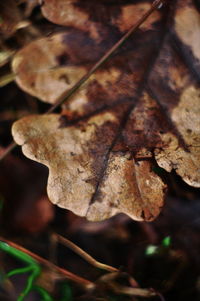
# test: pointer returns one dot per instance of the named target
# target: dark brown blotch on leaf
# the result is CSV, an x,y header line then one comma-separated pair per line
x,y
141,105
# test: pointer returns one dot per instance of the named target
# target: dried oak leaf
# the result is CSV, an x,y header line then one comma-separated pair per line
x,y
143,103
10,18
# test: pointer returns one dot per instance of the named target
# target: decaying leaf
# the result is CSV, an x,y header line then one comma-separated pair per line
x,y
96,18
60,60
90,179
142,104
10,17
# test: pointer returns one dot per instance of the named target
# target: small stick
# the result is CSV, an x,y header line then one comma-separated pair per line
x,y
66,242
8,150
69,275
131,291
6,79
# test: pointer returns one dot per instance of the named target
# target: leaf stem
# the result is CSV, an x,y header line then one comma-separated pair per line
x,y
13,248
66,242
8,150
6,79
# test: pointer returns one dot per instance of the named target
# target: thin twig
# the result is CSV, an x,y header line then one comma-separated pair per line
x,y
69,275
111,281
83,254
65,96
131,291
8,150
6,79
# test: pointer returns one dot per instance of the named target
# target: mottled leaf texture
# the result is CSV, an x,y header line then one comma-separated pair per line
x,y
9,18
141,105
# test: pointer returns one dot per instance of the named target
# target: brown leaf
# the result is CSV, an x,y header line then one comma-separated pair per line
x,y
95,18
143,103
10,17
85,175
64,58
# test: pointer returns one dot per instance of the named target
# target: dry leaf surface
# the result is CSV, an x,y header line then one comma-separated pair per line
x,y
142,104
10,18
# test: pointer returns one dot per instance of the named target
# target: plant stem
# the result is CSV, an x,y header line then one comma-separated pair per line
x,y
66,242
84,282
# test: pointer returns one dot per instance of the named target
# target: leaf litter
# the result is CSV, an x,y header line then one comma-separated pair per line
x,y
141,105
